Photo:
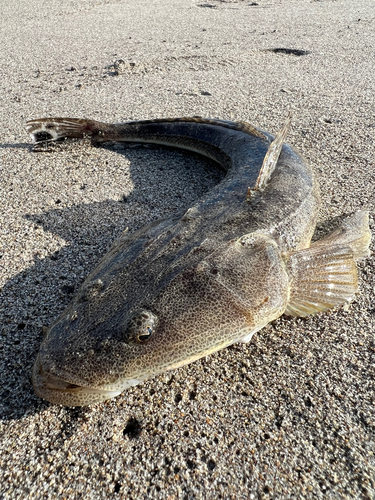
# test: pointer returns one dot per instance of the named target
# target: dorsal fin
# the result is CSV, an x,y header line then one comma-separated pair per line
x,y
52,129
241,126
270,160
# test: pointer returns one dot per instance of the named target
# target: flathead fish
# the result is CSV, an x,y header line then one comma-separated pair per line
x,y
183,288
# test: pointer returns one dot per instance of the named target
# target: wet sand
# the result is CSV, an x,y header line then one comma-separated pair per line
x,y
290,415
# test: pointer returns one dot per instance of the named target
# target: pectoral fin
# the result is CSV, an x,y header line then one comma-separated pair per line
x,y
325,275
354,232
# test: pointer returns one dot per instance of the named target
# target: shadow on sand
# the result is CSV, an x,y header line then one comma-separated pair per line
x,y
36,296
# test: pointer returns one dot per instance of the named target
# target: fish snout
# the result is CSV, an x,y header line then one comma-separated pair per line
x,y
59,391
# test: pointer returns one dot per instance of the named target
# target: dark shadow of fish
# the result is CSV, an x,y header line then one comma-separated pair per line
x,y
37,295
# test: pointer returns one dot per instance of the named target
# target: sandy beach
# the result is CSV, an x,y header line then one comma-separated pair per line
x,y
289,415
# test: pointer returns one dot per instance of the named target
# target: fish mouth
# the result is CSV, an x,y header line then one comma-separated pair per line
x,y
59,391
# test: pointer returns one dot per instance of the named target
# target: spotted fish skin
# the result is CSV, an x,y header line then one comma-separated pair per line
x,y
185,287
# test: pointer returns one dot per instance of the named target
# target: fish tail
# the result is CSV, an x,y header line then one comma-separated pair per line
x,y
325,275
54,129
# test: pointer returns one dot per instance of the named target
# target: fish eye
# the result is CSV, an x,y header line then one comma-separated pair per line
x,y
140,327
142,337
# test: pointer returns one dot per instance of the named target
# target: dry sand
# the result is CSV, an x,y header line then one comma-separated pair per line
x,y
291,415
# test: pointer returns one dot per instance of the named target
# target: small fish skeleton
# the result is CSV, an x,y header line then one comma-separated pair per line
x,y
183,288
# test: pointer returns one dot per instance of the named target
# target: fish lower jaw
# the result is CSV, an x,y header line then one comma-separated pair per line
x,y
59,391
61,385
53,384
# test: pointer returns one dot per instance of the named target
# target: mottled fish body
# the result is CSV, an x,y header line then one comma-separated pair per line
x,y
185,287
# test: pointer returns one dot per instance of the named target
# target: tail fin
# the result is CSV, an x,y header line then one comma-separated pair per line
x,y
325,275
53,129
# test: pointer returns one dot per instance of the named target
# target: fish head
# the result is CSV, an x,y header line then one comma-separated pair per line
x,y
101,346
